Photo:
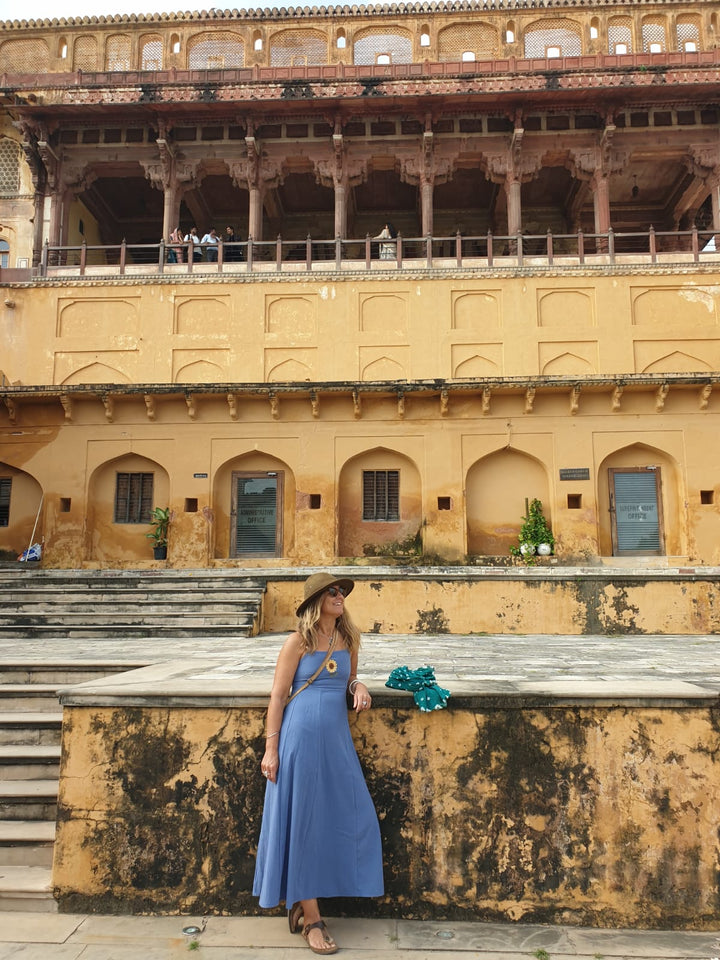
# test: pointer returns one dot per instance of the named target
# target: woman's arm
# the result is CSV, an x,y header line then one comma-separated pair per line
x,y
285,668
360,693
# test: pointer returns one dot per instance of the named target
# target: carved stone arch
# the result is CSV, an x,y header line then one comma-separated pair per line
x,y
678,362
290,370
383,368
96,373
567,364
498,488
110,540
215,50
21,496
363,475
200,371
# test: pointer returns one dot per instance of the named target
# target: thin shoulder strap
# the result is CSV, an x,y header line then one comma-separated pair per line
x,y
316,674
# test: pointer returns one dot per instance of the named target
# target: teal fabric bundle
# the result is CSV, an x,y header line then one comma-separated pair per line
x,y
426,693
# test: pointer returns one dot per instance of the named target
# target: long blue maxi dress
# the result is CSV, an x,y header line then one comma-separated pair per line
x,y
320,835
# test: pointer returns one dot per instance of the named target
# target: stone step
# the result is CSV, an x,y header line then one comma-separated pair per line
x,y
100,612
16,600
29,761
59,674
26,843
127,580
52,631
31,727
29,696
28,799
26,889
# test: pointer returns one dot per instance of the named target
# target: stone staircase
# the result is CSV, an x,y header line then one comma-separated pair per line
x,y
103,607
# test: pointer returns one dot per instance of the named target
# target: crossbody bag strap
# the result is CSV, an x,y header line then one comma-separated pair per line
x,y
315,675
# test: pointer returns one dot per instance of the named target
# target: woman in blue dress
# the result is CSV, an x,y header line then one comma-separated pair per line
x,y
320,835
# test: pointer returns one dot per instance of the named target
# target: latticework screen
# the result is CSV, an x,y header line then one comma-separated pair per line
x,y
25,56
216,51
688,30
543,34
460,38
620,31
151,54
297,47
9,166
653,31
85,54
378,42
117,53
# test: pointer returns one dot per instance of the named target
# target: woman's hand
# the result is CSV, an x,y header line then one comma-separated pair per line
x,y
269,764
361,697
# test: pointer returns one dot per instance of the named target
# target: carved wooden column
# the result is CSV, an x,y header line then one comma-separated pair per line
x,y
341,173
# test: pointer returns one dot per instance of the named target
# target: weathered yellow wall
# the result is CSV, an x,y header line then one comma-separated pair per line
x,y
498,809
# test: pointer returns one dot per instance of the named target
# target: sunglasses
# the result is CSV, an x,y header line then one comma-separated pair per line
x,y
334,591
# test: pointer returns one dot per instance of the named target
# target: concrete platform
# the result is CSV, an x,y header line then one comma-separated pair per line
x,y
76,937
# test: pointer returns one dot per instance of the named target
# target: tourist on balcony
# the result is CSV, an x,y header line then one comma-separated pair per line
x,y
175,253
194,240
388,251
320,835
210,241
234,254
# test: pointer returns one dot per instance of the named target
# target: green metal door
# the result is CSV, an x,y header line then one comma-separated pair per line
x,y
636,511
257,500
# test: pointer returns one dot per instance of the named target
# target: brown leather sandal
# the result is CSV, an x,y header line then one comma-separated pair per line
x,y
294,914
331,946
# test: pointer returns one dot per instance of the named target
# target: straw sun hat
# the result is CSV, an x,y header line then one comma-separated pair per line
x,y
317,584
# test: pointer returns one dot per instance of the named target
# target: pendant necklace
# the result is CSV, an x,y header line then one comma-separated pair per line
x,y
331,665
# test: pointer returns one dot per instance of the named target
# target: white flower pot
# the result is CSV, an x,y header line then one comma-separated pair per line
x,y
527,549
544,549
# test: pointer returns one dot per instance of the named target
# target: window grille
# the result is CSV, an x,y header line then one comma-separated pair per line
x,y
9,166
214,51
381,495
4,253
85,56
133,497
151,54
462,38
5,485
291,47
553,33
620,32
688,31
653,33
25,56
117,58
377,40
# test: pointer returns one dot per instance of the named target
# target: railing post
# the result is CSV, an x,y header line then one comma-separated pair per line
x,y
190,256
123,256
519,249
399,250
581,246
458,248
161,257
490,248
250,254
611,244
549,246
221,255
368,251
695,243
428,251
653,244
308,252
278,252
44,260
338,253
83,257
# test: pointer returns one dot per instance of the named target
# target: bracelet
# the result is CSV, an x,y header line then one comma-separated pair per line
x,y
271,735
351,684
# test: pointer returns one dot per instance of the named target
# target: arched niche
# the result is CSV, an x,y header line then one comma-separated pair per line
x,y
96,373
240,487
673,517
384,368
376,483
289,371
20,497
110,538
499,486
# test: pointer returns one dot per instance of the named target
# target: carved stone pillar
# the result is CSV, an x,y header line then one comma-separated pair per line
x,y
595,165
511,169
341,173
513,194
257,173
30,135
600,183
174,177
425,169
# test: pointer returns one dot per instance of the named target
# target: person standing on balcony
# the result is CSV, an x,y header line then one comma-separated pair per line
x,y
387,250
175,253
320,835
210,242
194,240
234,254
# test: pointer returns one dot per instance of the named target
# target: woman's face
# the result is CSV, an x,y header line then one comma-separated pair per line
x,y
333,606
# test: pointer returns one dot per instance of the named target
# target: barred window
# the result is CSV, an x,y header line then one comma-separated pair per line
x,y
133,497
85,54
298,47
151,54
461,38
653,35
688,33
9,166
543,34
5,485
4,253
216,51
25,56
620,35
381,494
376,41
117,57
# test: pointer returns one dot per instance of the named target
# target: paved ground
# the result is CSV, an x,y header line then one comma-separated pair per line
x,y
68,937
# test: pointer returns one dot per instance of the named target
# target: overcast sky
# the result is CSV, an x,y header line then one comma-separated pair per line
x,y
41,9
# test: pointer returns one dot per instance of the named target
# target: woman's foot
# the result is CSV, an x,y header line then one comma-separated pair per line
x,y
318,938
294,914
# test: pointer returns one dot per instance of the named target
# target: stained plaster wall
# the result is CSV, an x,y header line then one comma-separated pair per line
x,y
591,813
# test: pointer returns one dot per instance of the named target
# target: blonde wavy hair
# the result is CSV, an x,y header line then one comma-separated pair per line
x,y
308,627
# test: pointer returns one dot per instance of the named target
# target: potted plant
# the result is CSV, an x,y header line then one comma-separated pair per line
x,y
160,519
535,533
